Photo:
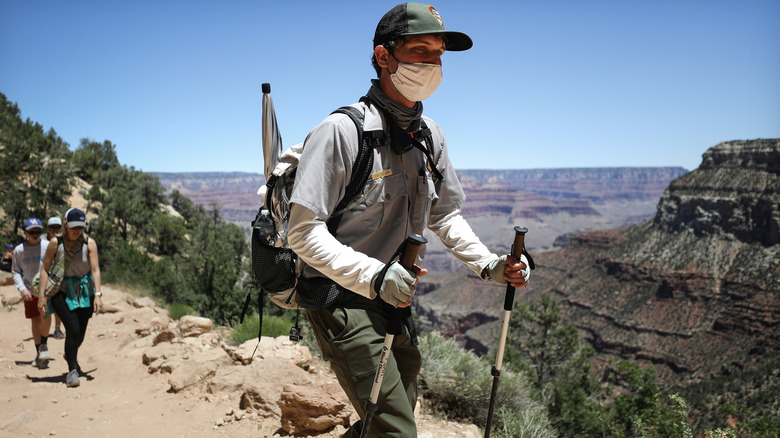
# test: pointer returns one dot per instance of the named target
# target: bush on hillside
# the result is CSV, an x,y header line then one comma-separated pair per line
x,y
177,310
273,326
458,384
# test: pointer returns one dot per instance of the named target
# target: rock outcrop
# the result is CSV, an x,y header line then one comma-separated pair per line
x,y
733,194
273,380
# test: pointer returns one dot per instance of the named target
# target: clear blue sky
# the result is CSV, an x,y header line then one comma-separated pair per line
x,y
175,85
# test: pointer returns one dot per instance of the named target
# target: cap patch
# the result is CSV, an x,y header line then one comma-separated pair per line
x,y
436,15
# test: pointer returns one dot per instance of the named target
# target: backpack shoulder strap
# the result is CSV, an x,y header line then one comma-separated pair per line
x,y
360,171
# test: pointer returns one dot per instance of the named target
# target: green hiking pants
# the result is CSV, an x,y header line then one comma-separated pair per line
x,y
351,339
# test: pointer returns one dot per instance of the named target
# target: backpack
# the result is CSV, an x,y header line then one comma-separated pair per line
x,y
275,266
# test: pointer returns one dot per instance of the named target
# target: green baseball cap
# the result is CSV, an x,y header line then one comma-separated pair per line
x,y
417,19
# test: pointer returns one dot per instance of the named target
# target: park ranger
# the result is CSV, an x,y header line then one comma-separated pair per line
x,y
413,186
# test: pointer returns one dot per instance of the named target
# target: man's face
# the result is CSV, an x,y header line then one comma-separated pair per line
x,y
426,49
53,230
34,235
423,49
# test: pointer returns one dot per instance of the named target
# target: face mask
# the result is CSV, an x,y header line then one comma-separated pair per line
x,y
417,81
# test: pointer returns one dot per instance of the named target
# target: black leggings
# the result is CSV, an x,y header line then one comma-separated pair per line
x,y
75,322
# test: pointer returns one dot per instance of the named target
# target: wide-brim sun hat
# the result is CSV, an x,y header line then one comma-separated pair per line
x,y
75,218
418,19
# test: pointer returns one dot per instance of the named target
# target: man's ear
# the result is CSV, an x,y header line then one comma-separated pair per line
x,y
382,55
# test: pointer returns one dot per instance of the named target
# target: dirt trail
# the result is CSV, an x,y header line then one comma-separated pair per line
x,y
119,398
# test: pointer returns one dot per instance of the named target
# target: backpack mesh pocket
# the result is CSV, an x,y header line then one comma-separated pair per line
x,y
274,268
319,292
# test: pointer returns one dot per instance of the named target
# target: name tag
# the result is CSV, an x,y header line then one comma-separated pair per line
x,y
381,174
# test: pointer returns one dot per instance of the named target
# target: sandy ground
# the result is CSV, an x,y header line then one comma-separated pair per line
x,y
119,398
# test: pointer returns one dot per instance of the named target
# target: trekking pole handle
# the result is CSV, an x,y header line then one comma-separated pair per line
x,y
517,251
411,249
266,87
519,243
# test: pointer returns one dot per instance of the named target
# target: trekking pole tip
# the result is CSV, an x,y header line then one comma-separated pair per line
x,y
266,88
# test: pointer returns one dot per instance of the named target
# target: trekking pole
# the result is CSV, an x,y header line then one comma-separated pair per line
x,y
409,250
517,251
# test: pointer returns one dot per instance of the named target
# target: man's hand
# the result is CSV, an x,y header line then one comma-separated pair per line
x,y
511,270
398,284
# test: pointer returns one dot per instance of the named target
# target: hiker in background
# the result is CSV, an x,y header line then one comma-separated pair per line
x,y
8,257
27,259
53,229
79,295
413,186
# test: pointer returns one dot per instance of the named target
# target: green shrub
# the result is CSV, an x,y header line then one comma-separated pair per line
x,y
177,310
129,267
458,384
721,433
273,326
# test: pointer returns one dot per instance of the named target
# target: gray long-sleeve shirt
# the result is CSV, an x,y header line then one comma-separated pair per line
x,y
399,198
27,261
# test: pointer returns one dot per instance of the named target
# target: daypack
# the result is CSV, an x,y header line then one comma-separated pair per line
x,y
276,267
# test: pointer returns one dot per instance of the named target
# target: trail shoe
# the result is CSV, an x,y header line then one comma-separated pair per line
x,y
58,333
34,362
43,356
72,380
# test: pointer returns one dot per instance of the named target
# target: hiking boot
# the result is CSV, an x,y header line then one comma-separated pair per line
x,y
43,356
58,333
73,379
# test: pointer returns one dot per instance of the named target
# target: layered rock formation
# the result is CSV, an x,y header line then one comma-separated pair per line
x,y
695,292
734,193
596,184
556,202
